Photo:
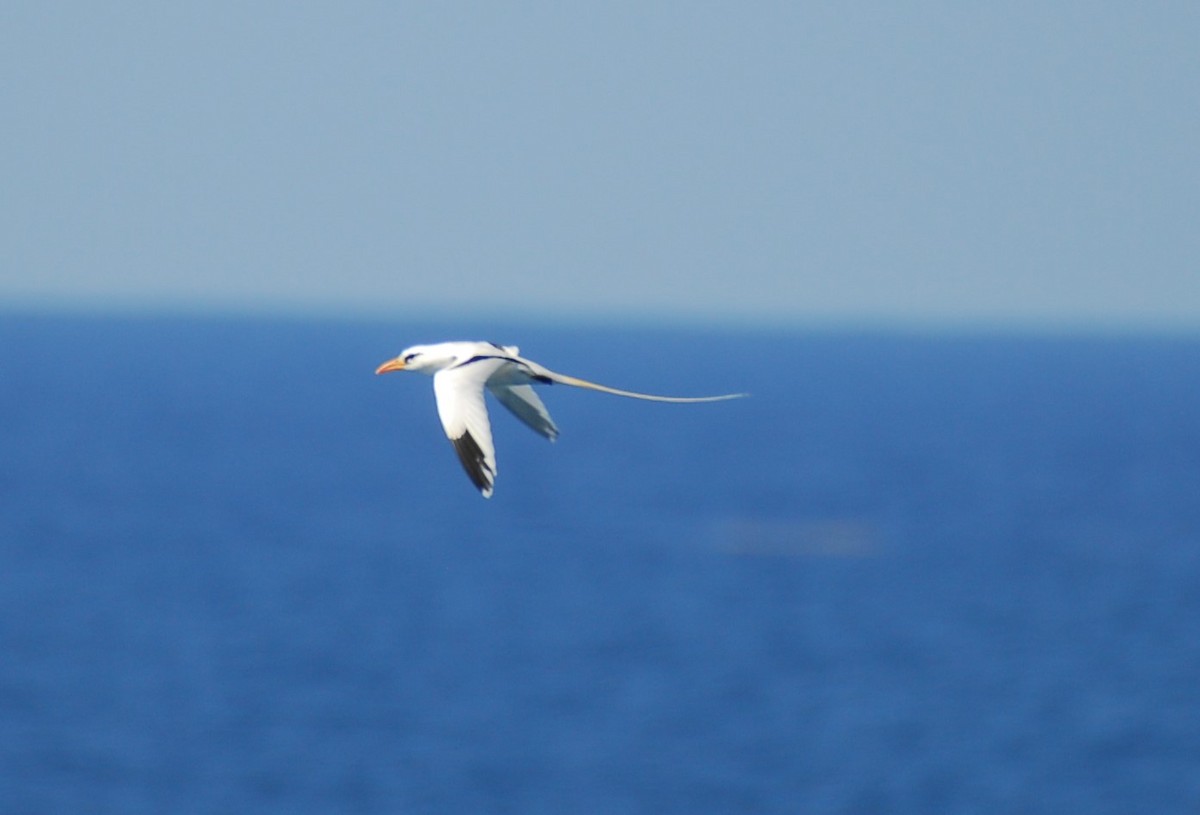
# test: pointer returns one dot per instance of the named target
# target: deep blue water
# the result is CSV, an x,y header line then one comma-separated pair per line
x,y
240,573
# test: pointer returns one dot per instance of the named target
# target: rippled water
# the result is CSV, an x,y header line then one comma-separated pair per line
x,y
239,573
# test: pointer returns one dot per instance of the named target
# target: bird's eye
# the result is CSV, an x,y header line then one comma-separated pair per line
x,y
410,357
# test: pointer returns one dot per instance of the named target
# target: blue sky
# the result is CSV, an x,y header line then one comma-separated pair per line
x,y
913,163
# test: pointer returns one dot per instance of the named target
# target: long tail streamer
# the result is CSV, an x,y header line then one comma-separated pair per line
x,y
583,383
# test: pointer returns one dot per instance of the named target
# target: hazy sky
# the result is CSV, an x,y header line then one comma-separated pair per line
x,y
795,162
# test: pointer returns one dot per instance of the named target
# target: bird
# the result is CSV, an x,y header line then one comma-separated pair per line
x,y
463,370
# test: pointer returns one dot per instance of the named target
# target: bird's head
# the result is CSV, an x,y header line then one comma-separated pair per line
x,y
421,358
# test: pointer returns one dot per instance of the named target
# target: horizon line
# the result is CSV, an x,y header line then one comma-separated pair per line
x,y
687,320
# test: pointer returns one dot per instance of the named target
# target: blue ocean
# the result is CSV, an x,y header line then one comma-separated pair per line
x,y
911,573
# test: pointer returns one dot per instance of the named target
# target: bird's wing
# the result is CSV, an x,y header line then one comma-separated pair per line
x,y
526,406
544,374
461,408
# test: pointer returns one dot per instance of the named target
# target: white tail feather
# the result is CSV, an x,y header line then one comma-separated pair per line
x,y
583,383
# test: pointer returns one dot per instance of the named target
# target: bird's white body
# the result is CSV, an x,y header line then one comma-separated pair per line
x,y
462,370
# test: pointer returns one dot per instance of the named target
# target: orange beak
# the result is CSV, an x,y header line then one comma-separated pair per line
x,y
396,364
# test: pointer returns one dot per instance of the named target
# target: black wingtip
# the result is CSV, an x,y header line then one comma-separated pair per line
x,y
471,456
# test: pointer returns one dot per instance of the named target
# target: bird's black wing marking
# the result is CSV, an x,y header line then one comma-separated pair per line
x,y
471,456
536,377
479,358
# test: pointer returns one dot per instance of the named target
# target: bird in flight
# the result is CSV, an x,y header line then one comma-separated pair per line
x,y
462,370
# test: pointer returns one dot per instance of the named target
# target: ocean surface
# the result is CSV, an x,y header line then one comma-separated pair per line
x,y
239,573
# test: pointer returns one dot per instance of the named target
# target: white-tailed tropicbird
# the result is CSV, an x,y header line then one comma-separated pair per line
x,y
461,371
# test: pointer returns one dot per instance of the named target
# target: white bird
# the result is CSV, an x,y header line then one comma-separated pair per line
x,y
461,371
